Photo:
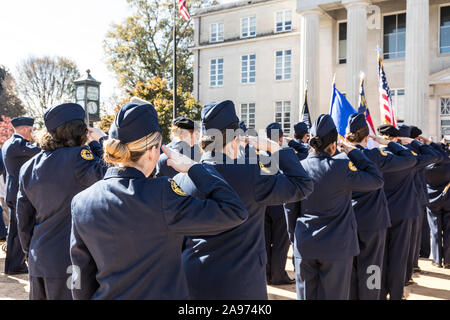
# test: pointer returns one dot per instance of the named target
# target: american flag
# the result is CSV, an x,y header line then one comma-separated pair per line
x,y
183,10
386,107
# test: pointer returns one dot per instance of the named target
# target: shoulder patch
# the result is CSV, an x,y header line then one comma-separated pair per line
x,y
351,166
176,188
87,154
413,153
384,154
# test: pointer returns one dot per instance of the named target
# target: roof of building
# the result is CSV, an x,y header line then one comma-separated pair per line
x,y
228,6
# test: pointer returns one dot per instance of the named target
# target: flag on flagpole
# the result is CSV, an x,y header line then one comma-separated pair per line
x,y
340,110
365,110
386,107
305,113
183,10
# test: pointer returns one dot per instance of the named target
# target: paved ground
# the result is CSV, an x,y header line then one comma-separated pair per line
x,y
432,284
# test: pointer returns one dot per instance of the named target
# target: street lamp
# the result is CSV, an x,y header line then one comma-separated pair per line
x,y
88,96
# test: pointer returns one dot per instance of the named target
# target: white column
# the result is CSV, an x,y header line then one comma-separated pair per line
x,y
417,63
356,47
309,59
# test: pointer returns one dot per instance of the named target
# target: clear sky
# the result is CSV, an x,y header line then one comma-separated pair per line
x,y
70,28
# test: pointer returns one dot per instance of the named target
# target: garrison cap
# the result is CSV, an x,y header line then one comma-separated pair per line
x,y
22,121
274,126
357,121
388,130
301,129
133,122
184,123
323,126
60,114
243,126
404,131
415,132
218,115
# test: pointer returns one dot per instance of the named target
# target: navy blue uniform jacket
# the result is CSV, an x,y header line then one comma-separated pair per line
x,y
301,148
371,208
232,265
324,225
128,230
48,182
402,191
15,152
430,157
438,183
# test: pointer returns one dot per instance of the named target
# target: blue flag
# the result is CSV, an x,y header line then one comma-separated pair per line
x,y
340,110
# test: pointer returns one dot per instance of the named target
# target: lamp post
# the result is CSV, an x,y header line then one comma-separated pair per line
x,y
88,96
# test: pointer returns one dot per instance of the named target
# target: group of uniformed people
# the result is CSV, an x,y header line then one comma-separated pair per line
x,y
207,218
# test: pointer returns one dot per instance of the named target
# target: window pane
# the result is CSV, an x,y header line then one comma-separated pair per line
x,y
343,31
445,39
401,43
288,17
401,22
390,24
445,16
279,17
390,43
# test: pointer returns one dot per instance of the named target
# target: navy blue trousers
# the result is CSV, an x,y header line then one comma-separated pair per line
x,y
3,230
318,279
414,246
49,289
277,247
372,245
440,236
425,246
15,257
395,260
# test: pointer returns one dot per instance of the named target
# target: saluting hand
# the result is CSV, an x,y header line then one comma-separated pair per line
x,y
262,143
346,147
426,141
380,140
176,160
94,134
287,139
405,140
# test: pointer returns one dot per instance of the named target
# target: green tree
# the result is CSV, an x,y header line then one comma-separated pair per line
x,y
45,82
10,105
141,47
156,92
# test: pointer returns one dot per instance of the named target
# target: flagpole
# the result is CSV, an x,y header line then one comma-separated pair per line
x,y
174,59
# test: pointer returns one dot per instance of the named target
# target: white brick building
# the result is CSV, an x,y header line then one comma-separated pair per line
x,y
260,53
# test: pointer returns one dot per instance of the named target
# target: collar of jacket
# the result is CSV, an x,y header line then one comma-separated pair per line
x,y
320,155
213,157
360,147
17,135
125,172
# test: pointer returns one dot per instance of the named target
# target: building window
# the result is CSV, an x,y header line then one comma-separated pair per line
x,y
248,114
445,106
283,115
445,30
216,32
284,21
216,73
394,36
342,42
283,65
248,27
398,101
248,68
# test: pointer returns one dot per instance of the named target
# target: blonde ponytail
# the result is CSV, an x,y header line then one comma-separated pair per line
x,y
118,152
